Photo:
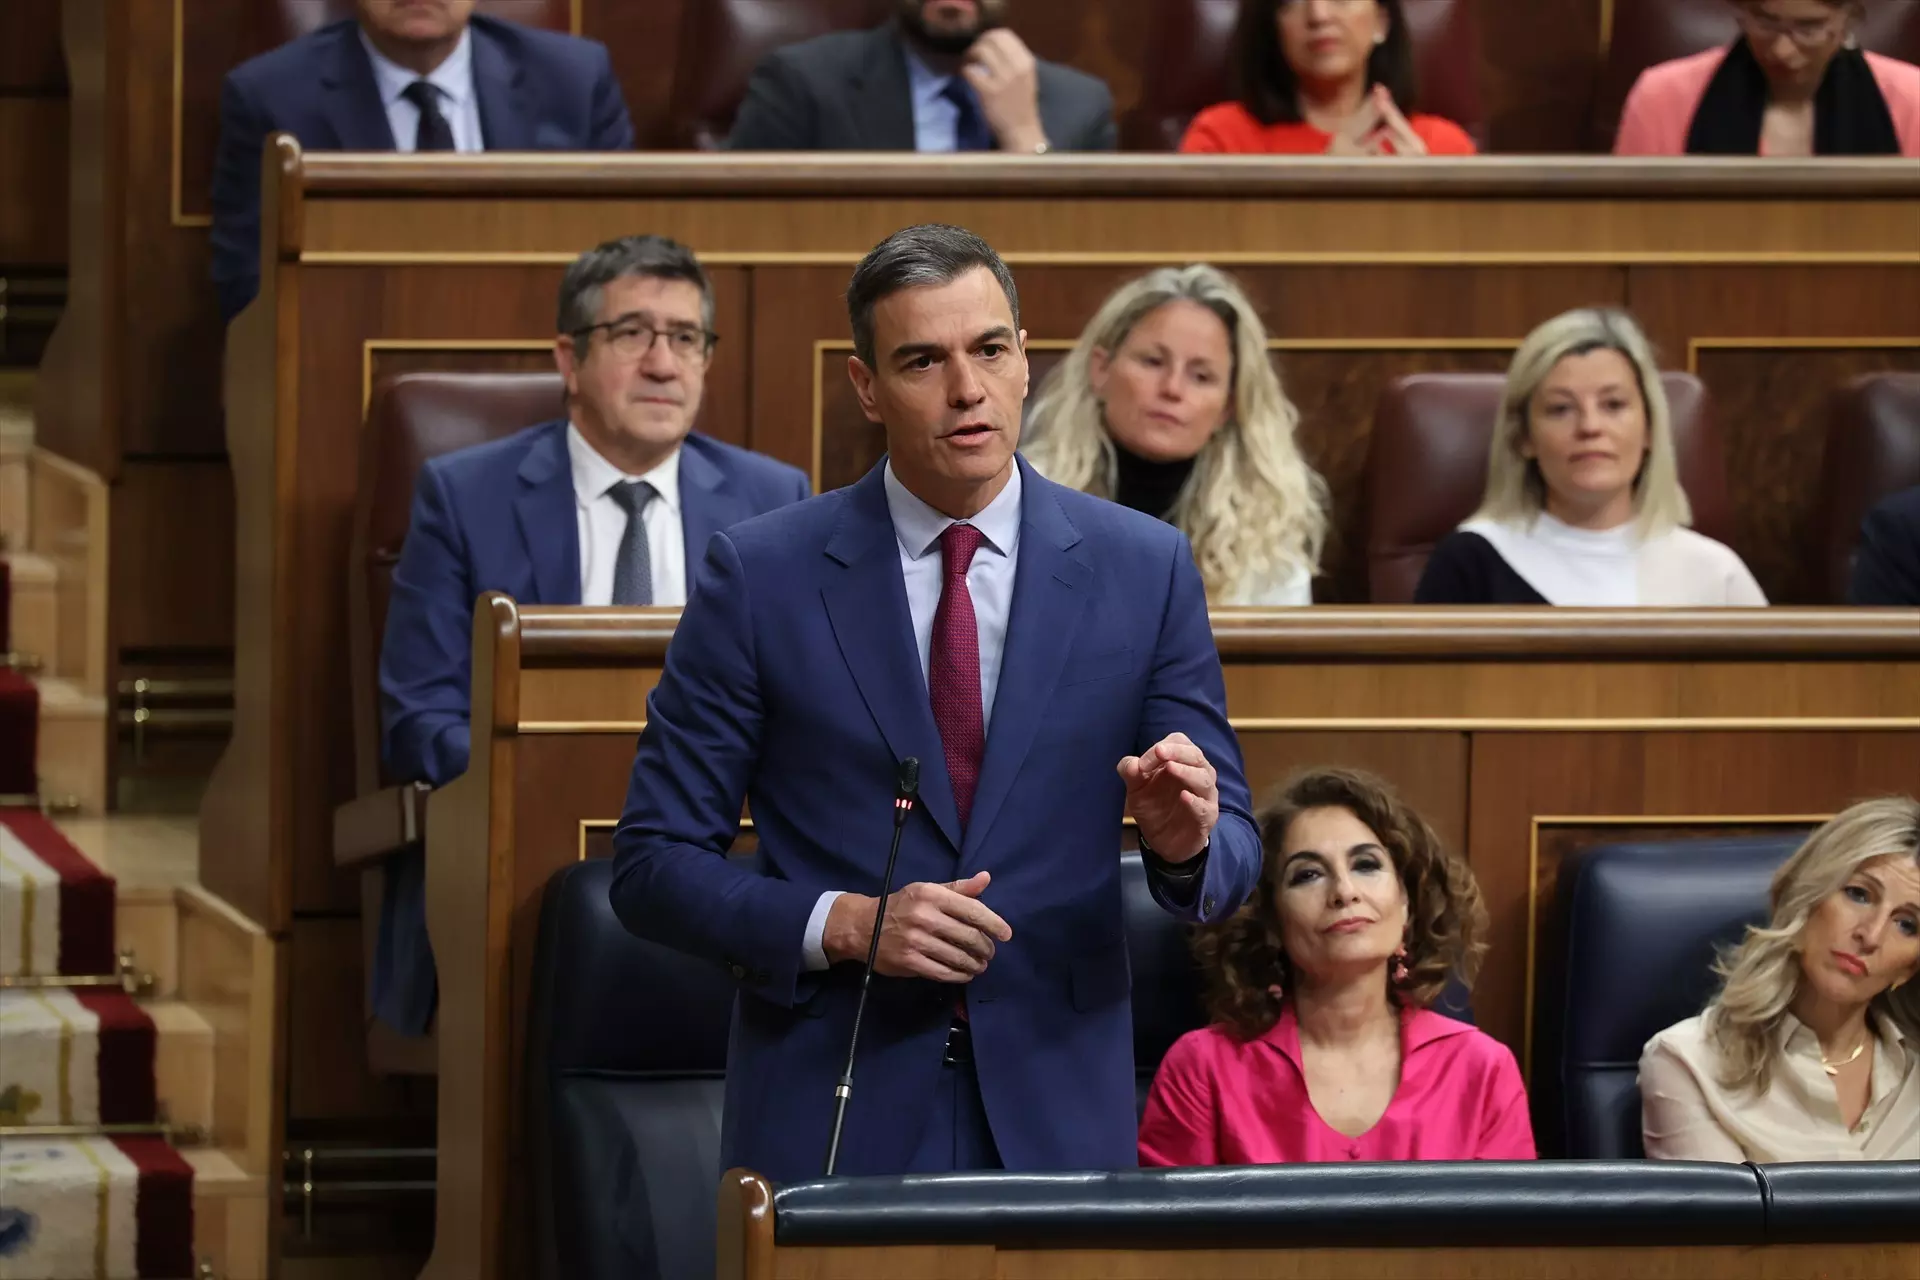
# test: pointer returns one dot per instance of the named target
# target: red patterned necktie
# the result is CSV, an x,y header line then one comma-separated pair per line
x,y
953,669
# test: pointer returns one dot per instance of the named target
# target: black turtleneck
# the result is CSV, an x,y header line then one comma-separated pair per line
x,y
1152,487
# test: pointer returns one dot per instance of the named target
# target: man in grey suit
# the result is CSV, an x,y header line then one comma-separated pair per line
x,y
943,76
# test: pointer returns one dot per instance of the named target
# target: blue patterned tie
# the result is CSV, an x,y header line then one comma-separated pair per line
x,y
971,132
633,563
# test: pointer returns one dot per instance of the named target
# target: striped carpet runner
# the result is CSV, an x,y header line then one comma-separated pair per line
x,y
77,1207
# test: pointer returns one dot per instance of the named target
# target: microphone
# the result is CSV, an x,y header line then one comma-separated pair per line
x,y
906,791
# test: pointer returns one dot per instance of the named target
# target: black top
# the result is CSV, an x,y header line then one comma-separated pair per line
x,y
1887,570
1465,569
1150,487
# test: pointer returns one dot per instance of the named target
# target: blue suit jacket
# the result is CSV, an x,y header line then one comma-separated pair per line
x,y
794,682
500,517
1886,568
538,91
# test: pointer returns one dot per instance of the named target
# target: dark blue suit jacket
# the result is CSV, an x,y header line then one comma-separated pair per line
x,y
794,682
1886,568
501,517
537,90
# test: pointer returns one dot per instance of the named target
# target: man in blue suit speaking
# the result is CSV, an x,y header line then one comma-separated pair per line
x,y
1046,656
403,75
609,505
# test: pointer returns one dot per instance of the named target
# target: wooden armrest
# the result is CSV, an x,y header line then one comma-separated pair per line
x,y
371,827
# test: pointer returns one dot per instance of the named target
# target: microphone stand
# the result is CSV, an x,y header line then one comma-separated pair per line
x,y
905,792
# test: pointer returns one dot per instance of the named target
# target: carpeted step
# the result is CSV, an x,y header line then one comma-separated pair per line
x,y
56,908
116,1208
19,734
75,1058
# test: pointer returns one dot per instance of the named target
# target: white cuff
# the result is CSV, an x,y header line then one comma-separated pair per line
x,y
813,946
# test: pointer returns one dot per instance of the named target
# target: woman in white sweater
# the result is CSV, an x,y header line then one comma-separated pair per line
x,y
1583,503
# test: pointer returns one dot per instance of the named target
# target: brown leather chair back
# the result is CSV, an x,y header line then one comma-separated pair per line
x,y
1188,67
1649,32
298,17
414,417
1873,452
724,40
1427,467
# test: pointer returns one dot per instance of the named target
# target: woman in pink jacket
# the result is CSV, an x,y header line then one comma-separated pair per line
x,y
1795,84
1322,1046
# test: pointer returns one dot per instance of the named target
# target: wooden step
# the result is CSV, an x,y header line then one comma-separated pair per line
x,y
183,1064
35,625
73,744
230,1216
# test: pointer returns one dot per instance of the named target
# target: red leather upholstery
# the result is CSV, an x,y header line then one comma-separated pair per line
x,y
1649,32
297,17
1188,67
724,40
1427,467
1873,452
412,418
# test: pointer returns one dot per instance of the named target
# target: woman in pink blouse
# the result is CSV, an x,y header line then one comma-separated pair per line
x,y
1321,1045
1796,83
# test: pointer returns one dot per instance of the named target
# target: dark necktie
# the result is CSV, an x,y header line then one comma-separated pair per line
x,y
953,669
633,564
435,133
971,132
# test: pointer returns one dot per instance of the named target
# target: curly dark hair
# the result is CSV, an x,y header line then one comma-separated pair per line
x,y
1244,956
1265,83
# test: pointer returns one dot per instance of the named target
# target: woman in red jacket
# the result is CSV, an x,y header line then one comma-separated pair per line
x,y
1323,77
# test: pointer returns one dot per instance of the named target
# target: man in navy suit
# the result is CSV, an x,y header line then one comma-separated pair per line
x,y
406,75
1046,656
1886,569
607,506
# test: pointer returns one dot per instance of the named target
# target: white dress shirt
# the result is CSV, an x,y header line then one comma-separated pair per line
x,y
936,120
603,523
917,528
453,78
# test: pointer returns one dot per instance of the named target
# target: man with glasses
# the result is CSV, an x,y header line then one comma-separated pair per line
x,y
604,506
1794,84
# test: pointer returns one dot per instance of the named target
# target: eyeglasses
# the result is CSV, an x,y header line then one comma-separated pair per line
x,y
1808,33
631,339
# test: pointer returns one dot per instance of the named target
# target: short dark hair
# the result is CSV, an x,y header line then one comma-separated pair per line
x,y
919,257
1264,81
652,257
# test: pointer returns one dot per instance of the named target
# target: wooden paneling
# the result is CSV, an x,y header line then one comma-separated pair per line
x,y
327,1074
33,176
1773,404
173,561
30,61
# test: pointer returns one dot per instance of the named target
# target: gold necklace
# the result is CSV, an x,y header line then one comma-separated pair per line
x,y
1833,1068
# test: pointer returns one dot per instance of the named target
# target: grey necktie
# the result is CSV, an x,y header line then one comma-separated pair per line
x,y
435,132
633,565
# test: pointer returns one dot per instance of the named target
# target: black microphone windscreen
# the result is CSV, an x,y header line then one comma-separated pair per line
x,y
910,776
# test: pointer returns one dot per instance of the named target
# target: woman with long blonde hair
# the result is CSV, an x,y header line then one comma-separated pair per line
x,y
1583,503
1811,1051
1170,405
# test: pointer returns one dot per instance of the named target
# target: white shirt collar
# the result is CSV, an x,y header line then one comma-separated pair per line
x,y
927,85
453,77
593,475
918,526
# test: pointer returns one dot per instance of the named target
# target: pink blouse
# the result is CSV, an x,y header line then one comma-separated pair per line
x,y
1221,1100
1659,112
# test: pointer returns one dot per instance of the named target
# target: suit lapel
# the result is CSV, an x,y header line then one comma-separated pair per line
x,y
706,504
351,97
867,605
548,522
499,82
1049,594
883,96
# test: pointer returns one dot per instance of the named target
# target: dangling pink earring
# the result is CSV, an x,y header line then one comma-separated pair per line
x,y
1400,965
1277,992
